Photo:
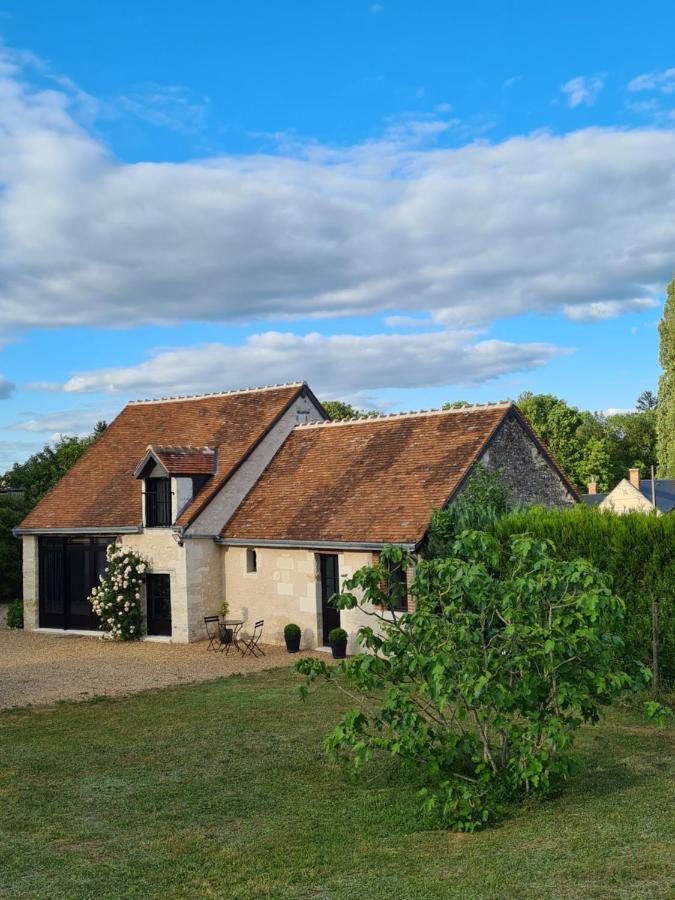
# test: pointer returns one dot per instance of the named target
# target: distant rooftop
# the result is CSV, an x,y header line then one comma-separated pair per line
x,y
664,489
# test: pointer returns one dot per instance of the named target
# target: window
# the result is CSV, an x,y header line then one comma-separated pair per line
x,y
398,588
251,560
157,502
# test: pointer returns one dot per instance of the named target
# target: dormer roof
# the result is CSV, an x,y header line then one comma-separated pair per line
x,y
179,461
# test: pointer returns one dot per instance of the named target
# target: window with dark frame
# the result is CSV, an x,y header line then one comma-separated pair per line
x,y
251,560
398,588
157,502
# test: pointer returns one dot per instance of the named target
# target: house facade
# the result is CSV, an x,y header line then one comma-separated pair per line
x,y
634,494
255,497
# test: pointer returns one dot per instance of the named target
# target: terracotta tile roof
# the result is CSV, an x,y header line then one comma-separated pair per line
x,y
371,480
186,460
100,489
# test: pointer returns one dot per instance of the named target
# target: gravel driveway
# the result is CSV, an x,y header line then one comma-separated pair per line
x,y
43,668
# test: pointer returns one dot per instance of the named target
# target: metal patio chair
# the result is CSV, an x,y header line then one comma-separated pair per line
x,y
212,625
249,643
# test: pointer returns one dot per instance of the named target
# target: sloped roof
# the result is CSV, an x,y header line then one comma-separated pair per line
x,y
664,490
100,490
182,460
371,480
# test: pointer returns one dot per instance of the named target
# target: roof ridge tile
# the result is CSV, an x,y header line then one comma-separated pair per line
x,y
387,417
248,390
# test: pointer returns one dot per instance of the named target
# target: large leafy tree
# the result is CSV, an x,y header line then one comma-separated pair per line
x,y
591,446
559,426
339,410
666,405
482,687
34,477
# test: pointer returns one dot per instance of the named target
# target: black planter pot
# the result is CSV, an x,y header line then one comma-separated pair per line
x,y
225,634
292,642
339,649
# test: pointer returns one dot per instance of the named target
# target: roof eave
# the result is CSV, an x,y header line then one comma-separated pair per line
x,y
314,545
82,530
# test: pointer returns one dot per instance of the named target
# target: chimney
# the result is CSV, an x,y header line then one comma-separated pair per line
x,y
592,487
634,478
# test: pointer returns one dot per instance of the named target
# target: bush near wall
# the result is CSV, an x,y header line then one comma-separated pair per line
x,y
637,551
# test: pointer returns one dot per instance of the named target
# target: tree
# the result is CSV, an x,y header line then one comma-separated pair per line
x,y
483,686
591,446
632,440
34,477
646,401
338,410
481,503
456,404
559,426
665,412
595,464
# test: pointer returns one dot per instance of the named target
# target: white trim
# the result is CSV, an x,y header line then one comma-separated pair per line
x,y
157,638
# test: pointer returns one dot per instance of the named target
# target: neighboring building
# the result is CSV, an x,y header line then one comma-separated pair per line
x,y
253,496
634,494
8,494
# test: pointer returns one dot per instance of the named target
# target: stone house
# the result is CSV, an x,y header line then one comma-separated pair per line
x,y
635,494
256,497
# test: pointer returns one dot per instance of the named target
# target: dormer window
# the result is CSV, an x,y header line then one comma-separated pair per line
x,y
157,502
172,477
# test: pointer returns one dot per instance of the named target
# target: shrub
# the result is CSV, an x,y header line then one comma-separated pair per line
x,y
224,609
637,553
479,506
291,630
483,686
117,601
15,614
336,634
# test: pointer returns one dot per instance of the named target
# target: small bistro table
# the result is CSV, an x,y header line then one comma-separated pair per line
x,y
234,627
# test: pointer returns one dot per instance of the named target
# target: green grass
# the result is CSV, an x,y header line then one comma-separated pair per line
x,y
222,790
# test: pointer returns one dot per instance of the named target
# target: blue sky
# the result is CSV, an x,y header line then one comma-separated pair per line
x,y
401,203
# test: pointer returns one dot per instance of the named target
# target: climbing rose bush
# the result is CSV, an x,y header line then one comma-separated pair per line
x,y
117,600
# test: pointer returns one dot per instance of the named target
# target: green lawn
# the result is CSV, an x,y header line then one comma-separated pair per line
x,y
222,790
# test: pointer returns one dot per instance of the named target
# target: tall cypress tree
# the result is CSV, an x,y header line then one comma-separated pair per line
x,y
665,422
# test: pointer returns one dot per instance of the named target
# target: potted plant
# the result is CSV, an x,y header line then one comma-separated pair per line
x,y
292,637
337,638
225,632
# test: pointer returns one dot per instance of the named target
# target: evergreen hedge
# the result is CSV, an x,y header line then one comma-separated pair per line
x,y
636,550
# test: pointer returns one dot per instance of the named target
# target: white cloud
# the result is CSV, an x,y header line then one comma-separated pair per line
x,y
407,322
607,309
168,106
654,81
468,234
72,421
583,90
16,451
342,364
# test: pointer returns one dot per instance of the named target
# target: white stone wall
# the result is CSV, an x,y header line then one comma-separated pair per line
x,y
31,581
165,556
286,588
205,583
